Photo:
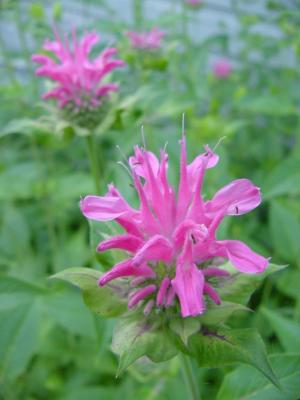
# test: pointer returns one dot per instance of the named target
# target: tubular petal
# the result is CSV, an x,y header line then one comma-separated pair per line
x,y
242,257
125,242
208,289
236,198
188,284
140,295
161,295
125,269
158,248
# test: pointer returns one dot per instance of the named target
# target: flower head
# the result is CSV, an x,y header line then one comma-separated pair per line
x,y
222,68
170,240
146,40
78,79
193,2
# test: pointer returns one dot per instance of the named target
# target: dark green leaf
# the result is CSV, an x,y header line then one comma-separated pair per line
x,y
287,331
244,383
217,348
285,232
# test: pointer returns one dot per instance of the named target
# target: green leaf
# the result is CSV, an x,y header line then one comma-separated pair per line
x,y
240,286
133,340
287,331
24,126
244,383
289,283
216,314
18,339
101,300
223,347
185,327
285,179
285,232
66,308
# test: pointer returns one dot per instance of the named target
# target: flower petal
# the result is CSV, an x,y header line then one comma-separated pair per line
x,y
140,295
188,284
103,208
124,242
236,198
157,248
125,269
242,257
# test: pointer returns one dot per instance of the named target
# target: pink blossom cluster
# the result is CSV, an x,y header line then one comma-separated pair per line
x,y
78,79
222,68
193,2
170,240
146,40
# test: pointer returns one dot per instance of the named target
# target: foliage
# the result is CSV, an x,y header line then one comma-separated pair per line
x,y
51,345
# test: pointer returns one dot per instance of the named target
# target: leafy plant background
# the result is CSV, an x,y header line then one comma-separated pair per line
x,y
51,345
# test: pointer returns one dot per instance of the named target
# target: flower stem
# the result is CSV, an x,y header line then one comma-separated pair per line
x,y
137,11
189,378
93,157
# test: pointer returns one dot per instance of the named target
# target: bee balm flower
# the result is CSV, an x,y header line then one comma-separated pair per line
x,y
194,2
78,79
170,240
222,68
146,40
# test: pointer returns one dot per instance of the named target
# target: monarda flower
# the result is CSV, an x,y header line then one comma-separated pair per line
x,y
222,68
170,240
146,40
194,3
78,79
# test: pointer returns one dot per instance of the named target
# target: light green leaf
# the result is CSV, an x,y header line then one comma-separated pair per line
x,y
239,288
285,232
133,340
185,327
287,331
244,383
24,126
216,314
223,347
102,300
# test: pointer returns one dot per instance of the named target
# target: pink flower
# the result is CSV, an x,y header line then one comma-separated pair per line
x,y
193,2
146,40
170,237
222,68
78,78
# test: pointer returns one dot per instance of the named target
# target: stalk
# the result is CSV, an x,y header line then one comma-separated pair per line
x,y
94,164
189,378
137,11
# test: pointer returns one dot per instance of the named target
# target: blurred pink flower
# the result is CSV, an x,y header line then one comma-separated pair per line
x,y
193,2
78,78
170,237
222,68
146,40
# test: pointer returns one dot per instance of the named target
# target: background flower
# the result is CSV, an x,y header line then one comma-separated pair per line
x,y
78,79
146,40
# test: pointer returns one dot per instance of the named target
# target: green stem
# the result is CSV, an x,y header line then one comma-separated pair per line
x,y
94,164
137,10
189,378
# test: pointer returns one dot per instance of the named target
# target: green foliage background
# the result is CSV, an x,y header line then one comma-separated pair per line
x,y
51,345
